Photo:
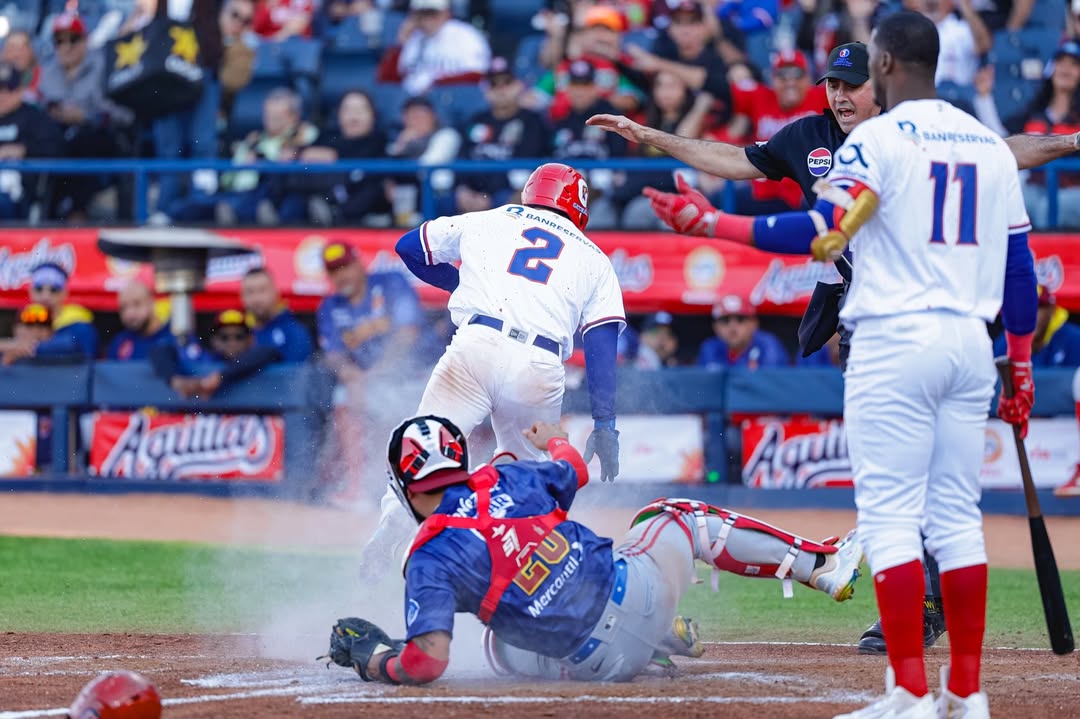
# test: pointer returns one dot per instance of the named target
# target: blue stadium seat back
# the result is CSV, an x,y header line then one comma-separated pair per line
x,y
527,65
345,70
388,98
511,20
304,56
347,35
643,38
391,24
455,104
962,96
1047,14
271,62
22,14
1012,92
248,107
1040,42
1005,49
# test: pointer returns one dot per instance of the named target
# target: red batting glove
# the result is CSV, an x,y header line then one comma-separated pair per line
x,y
1017,409
687,212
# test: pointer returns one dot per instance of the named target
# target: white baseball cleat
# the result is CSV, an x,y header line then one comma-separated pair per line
x,y
898,703
836,577
950,706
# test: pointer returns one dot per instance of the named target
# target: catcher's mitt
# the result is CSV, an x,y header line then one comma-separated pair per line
x,y
353,641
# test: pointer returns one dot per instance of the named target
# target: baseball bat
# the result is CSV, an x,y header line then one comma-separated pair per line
x,y
1046,569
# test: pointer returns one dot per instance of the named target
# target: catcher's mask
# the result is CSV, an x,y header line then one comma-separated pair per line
x,y
419,449
117,695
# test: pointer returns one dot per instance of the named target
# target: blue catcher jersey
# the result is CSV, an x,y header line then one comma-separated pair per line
x,y
554,602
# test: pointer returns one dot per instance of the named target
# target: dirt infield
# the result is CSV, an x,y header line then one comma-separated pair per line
x,y
235,676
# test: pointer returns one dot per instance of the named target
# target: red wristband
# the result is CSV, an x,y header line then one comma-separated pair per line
x,y
1019,346
560,449
734,228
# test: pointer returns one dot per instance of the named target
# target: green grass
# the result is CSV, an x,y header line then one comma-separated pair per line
x,y
63,585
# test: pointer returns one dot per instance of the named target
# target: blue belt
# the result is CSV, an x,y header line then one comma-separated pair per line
x,y
544,343
618,593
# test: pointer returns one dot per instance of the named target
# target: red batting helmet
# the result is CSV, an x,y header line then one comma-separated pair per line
x,y
117,695
561,188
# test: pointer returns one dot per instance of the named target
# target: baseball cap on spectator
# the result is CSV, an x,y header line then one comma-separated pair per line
x,y
606,16
789,58
10,77
418,101
47,274
35,314
686,6
230,318
429,5
733,306
1070,48
847,62
500,68
338,254
68,22
660,319
582,72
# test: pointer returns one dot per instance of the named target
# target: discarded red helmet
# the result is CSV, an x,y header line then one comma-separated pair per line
x,y
117,695
559,187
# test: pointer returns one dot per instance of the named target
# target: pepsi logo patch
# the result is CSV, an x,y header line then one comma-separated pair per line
x,y
819,162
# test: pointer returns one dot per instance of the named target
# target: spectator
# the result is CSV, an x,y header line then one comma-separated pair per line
x,y
238,43
367,330
231,357
739,342
74,335
25,132
422,138
686,48
194,131
1056,342
273,324
367,13
576,140
679,19
824,25
597,42
963,39
659,343
504,131
673,108
73,92
247,195
143,326
750,17
19,51
1055,110
1010,15
434,49
33,325
827,356
354,197
278,20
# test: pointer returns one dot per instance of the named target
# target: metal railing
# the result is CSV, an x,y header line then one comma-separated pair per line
x,y
143,170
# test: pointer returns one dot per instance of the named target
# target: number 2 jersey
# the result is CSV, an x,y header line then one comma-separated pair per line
x,y
948,199
531,268
553,603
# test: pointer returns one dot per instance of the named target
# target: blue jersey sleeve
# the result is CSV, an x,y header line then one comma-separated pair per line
x,y
78,339
713,354
329,338
773,353
297,346
430,601
113,351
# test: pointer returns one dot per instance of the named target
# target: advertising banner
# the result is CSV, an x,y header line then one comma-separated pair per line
x,y
145,445
18,444
795,453
656,270
652,448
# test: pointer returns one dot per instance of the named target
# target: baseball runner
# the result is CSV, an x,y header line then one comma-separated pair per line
x,y
942,237
528,280
558,601
803,151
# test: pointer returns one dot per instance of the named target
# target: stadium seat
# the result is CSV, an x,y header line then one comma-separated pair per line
x,y
527,65
246,114
22,15
348,35
344,70
270,62
457,103
1047,14
391,24
303,56
511,20
388,98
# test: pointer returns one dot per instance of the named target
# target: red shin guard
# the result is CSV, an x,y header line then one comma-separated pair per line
x,y
965,590
900,600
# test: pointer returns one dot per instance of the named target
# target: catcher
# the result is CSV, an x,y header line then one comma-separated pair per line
x,y
558,602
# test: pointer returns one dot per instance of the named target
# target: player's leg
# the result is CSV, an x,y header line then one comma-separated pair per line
x,y
872,641
891,388
1071,488
954,521
527,388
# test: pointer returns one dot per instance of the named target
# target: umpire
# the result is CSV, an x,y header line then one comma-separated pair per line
x,y
803,151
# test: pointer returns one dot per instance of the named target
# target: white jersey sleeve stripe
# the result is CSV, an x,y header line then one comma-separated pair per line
x,y
1018,229
602,321
427,246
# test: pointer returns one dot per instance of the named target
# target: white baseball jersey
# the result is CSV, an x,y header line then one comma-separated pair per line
x,y
527,267
949,196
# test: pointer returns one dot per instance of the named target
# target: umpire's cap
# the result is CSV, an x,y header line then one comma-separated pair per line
x,y
847,62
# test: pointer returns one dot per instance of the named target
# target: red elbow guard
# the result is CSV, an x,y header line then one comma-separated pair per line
x,y
560,449
421,666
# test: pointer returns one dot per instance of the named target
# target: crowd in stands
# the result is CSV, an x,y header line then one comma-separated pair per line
x,y
308,83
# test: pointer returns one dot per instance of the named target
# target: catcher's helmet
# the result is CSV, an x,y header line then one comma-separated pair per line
x,y
561,188
420,447
117,695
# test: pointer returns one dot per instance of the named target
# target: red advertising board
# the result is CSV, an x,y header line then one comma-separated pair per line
x,y
146,445
794,453
656,270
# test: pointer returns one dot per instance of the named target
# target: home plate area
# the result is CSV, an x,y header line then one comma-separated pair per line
x,y
222,676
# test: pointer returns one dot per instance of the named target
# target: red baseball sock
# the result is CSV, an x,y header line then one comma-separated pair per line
x,y
900,601
964,590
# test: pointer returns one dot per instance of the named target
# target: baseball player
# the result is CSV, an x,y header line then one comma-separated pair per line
x,y
528,280
942,237
558,601
804,151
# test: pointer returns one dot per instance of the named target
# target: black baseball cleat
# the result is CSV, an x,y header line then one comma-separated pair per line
x,y
872,640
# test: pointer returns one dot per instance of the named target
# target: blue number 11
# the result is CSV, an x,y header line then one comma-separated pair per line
x,y
965,175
